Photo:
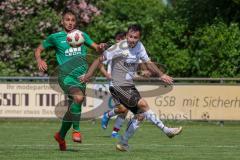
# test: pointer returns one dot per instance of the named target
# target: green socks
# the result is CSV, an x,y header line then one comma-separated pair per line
x,y
66,124
76,114
71,117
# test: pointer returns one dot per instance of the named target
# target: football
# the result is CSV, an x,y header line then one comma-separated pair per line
x,y
75,38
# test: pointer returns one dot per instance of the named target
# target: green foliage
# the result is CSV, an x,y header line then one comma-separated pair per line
x,y
173,36
192,38
24,24
215,50
197,13
163,38
167,46
117,15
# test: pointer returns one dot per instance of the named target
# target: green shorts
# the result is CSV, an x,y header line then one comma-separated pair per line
x,y
69,72
69,81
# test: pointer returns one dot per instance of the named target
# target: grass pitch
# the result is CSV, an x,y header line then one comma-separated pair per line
x,y
33,139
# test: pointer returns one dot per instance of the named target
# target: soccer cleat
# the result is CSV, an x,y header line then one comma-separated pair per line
x,y
171,132
61,142
115,135
122,147
76,137
104,121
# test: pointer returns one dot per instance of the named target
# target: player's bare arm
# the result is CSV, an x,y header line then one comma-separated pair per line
x,y
153,68
99,47
104,72
144,72
92,68
42,65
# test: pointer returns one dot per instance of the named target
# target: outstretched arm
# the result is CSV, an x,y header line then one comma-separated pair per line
x,y
104,72
99,47
92,68
144,70
153,68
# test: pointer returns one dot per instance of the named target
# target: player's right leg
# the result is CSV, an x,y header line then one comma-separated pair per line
x,y
106,117
118,123
115,111
128,96
131,129
119,109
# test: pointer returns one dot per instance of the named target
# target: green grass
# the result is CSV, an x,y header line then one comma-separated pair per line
x,y
26,139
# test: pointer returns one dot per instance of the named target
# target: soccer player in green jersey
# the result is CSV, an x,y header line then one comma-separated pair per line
x,y
72,65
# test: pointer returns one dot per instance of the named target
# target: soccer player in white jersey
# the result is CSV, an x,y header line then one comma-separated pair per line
x,y
119,110
125,56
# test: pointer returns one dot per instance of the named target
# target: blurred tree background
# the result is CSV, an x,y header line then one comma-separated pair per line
x,y
190,38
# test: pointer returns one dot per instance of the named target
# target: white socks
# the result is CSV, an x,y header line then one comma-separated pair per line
x,y
131,129
111,113
118,122
151,116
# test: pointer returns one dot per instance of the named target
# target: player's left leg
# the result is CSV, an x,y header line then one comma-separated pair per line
x,y
131,129
75,109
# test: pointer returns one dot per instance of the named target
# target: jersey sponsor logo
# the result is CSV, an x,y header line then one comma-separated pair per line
x,y
130,64
73,51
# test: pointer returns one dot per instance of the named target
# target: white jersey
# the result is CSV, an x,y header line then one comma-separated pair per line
x,y
124,62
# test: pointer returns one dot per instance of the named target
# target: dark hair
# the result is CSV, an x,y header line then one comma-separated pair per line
x,y
120,35
68,11
135,27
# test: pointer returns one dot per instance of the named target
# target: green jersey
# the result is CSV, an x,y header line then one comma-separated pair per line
x,y
64,52
72,61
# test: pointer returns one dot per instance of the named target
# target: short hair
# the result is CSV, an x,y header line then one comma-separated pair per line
x,y
135,28
120,35
68,11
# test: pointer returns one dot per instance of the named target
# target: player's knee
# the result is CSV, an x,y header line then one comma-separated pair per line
x,y
142,104
121,109
78,99
124,114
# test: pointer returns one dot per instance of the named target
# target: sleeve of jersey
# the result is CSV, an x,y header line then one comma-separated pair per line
x,y
107,56
48,42
87,39
143,54
112,53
